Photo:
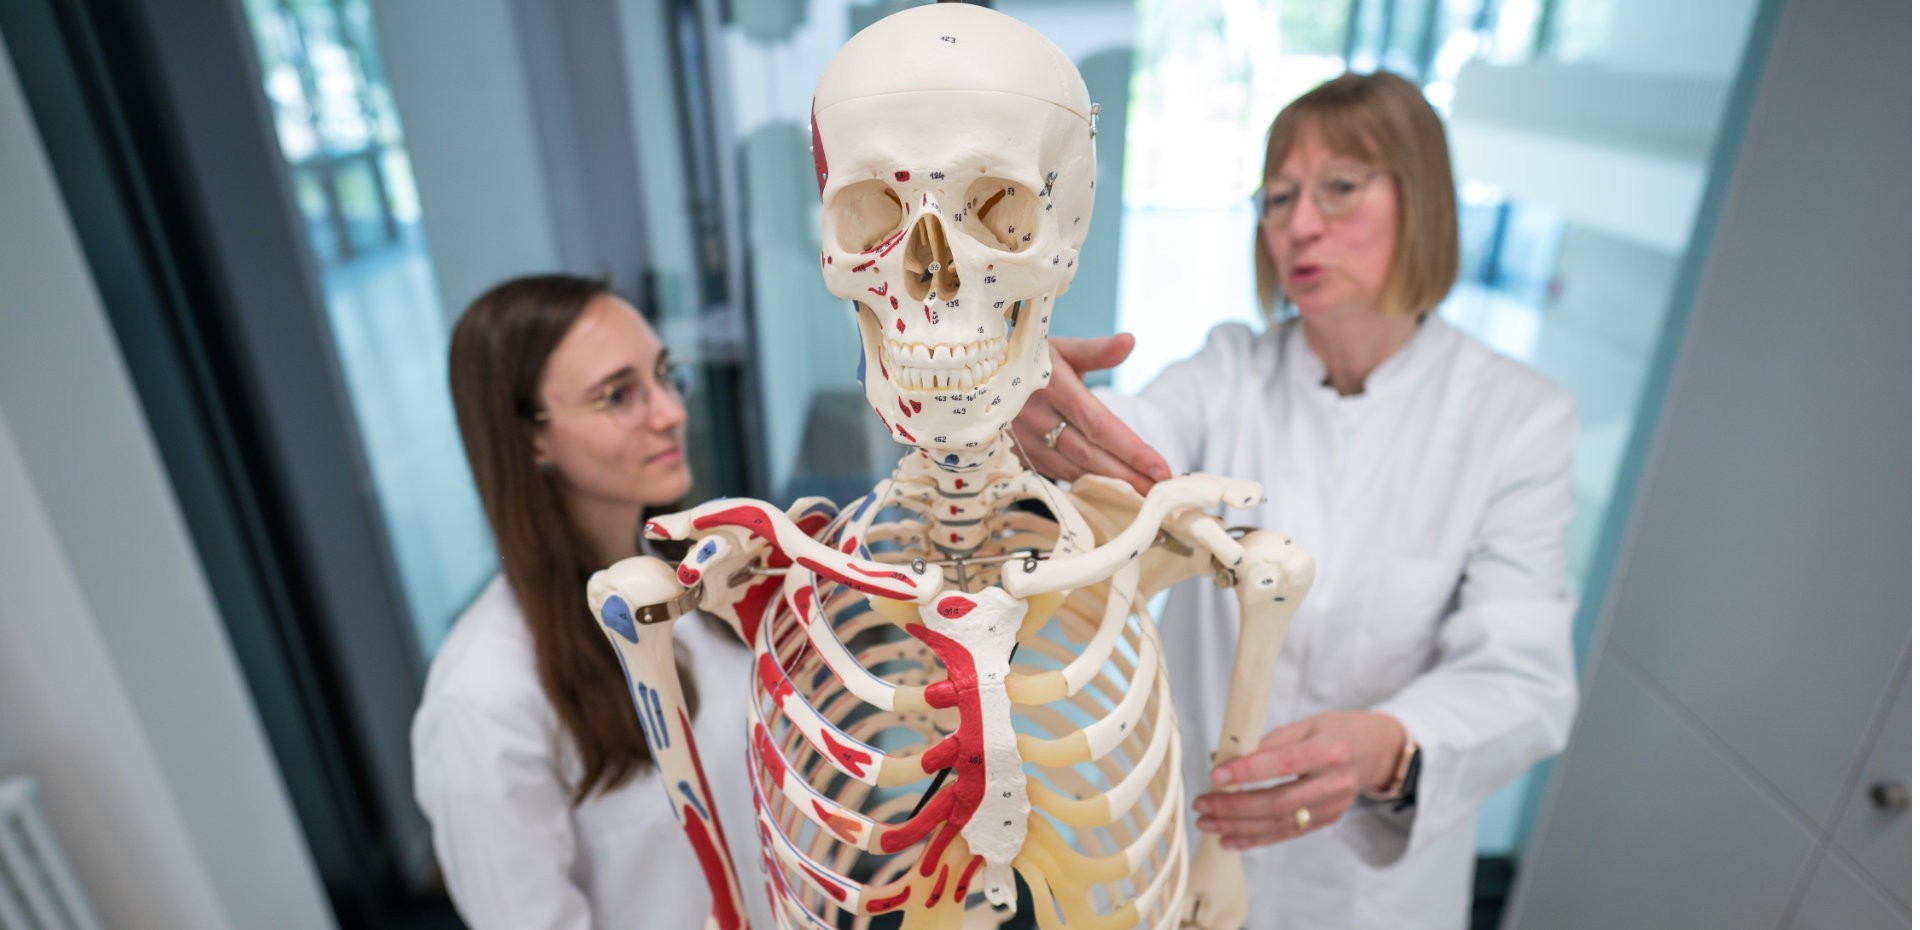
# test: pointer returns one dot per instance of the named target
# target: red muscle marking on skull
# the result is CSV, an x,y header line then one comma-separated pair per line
x,y
881,290
894,302
900,325
939,887
844,827
928,310
883,248
819,153
904,434
916,406
902,175
715,858
864,265
966,878
904,409
891,902
883,368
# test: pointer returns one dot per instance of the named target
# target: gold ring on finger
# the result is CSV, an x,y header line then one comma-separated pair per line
x,y
1303,819
1053,435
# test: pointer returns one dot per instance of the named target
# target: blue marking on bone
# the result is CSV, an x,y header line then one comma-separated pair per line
x,y
618,618
693,799
645,712
865,502
953,459
659,719
707,550
822,507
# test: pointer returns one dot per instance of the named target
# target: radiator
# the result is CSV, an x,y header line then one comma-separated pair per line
x,y
37,890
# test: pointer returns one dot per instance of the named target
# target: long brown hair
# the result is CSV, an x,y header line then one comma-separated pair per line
x,y
1383,120
500,348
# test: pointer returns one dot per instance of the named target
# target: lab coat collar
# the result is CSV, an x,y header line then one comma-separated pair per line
x,y
1402,368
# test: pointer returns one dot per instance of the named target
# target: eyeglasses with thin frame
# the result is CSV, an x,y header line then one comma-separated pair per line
x,y
1337,192
628,396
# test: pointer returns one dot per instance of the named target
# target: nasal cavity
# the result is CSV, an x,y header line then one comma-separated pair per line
x,y
930,269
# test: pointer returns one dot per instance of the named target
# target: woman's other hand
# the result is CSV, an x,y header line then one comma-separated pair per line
x,y
1094,440
1331,757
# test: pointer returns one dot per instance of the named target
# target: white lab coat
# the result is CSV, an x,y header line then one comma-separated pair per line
x,y
492,766
1435,504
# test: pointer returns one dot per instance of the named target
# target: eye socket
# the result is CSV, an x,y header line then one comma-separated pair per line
x,y
863,215
1003,214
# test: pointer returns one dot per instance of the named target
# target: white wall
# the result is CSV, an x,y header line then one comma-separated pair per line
x,y
118,690
459,81
1751,670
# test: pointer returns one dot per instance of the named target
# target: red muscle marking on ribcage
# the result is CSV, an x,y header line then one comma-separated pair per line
x,y
882,905
966,878
844,827
773,679
939,887
770,757
853,759
825,884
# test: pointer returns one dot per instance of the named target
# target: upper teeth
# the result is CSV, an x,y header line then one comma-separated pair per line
x,y
922,367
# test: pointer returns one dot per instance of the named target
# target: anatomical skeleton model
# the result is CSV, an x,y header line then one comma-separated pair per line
x,y
957,678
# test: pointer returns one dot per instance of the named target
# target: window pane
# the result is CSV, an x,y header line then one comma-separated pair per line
x,y
351,177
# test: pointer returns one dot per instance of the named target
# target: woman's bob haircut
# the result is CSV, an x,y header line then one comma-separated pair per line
x,y
1380,119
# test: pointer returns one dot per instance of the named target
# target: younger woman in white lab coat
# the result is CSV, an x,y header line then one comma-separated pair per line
x,y
1430,478
528,757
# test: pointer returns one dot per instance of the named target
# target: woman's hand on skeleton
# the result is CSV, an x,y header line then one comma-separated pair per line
x,y
1093,441
1328,758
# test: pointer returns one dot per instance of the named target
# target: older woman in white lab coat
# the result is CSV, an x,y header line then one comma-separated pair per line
x,y
529,761
1430,478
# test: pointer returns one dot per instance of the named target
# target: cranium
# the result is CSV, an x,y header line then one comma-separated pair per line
x,y
954,150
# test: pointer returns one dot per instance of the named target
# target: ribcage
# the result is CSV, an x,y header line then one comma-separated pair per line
x,y
909,762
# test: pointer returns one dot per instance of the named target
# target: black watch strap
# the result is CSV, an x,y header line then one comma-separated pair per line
x,y
1410,786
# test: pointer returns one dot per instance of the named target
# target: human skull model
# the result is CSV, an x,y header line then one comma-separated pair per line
x,y
956,190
